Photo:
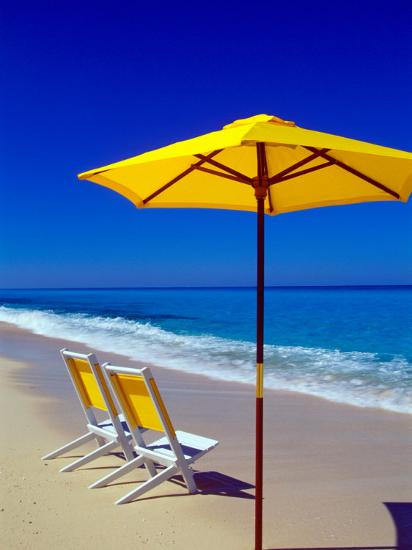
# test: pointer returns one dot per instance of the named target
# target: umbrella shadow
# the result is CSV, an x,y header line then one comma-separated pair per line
x,y
343,548
401,513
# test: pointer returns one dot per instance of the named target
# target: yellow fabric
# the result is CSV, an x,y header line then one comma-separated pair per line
x,y
162,407
106,390
86,384
138,177
136,401
259,118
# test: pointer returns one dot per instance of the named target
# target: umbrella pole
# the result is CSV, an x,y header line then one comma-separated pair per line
x,y
261,193
259,375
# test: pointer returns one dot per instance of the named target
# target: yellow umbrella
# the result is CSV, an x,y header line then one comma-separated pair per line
x,y
266,165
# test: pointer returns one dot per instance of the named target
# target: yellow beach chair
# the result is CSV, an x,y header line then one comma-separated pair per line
x,y
93,392
140,401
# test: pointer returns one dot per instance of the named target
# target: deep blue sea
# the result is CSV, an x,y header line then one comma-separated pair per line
x,y
346,344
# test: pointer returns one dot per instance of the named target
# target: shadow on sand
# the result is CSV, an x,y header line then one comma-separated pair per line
x,y
208,483
401,513
216,483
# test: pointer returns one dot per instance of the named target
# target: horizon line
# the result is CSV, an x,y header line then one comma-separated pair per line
x,y
214,287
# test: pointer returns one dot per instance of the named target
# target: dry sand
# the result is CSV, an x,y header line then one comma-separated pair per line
x,y
335,475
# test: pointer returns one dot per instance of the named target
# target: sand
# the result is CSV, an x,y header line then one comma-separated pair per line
x,y
335,475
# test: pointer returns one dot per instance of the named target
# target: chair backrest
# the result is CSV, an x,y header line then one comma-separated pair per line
x,y
90,383
140,400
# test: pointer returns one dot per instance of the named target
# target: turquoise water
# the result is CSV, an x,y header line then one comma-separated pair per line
x,y
346,344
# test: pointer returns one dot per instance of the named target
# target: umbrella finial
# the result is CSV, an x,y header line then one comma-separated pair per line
x,y
259,118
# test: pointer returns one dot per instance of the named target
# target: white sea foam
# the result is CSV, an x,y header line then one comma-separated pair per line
x,y
357,378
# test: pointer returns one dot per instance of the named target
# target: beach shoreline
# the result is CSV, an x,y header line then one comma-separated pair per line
x,y
329,468
349,347
14,331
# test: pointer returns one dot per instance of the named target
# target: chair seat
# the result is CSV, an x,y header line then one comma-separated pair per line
x,y
193,446
107,425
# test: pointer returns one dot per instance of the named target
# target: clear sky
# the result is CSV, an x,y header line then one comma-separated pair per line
x,y
89,83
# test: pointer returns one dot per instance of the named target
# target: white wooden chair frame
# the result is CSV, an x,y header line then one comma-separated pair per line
x,y
176,451
110,433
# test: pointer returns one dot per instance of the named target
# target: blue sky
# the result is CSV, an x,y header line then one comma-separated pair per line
x,y
89,83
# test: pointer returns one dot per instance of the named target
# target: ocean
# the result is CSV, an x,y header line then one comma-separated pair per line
x,y
346,344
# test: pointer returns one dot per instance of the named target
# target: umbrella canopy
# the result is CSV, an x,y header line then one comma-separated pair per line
x,y
306,169
266,165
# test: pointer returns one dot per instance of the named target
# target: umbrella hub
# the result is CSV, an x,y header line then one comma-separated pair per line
x,y
259,118
260,185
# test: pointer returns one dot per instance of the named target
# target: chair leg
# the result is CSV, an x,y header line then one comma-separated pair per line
x,y
91,456
69,446
119,472
100,441
150,484
150,467
127,448
189,479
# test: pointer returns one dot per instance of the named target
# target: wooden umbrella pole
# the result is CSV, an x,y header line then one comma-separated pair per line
x,y
259,376
261,184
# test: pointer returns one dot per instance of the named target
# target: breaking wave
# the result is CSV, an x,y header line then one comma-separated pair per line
x,y
356,378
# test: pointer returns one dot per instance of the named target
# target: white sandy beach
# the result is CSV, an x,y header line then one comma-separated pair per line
x,y
335,475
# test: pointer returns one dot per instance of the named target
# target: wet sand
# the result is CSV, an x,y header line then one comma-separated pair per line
x,y
335,475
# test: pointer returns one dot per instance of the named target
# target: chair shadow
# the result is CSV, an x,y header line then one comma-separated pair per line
x,y
118,454
216,483
208,483
401,513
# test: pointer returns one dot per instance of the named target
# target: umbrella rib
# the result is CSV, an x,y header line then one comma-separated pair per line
x,y
221,174
265,172
306,171
270,200
242,177
355,172
180,176
277,177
